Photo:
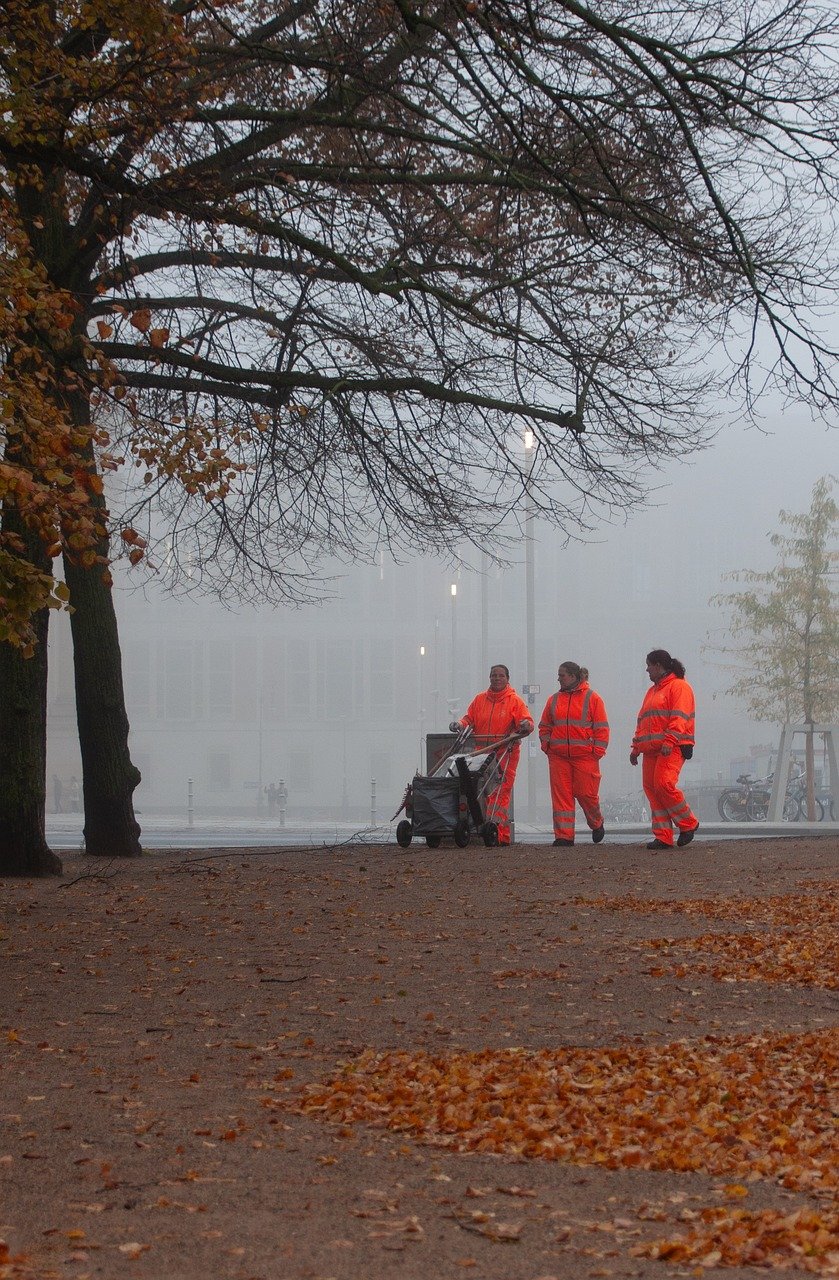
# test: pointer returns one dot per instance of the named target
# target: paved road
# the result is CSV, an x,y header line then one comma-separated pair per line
x,y
64,831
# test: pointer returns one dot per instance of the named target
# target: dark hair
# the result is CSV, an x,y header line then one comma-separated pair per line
x,y
506,670
573,668
662,659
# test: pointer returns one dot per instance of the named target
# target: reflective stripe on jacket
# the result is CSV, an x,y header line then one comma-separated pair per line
x,y
666,716
494,715
574,723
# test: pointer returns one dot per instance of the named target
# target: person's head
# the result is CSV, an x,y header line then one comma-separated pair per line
x,y
659,664
571,674
499,677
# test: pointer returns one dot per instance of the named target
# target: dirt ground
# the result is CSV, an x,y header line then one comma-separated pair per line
x,y
159,1015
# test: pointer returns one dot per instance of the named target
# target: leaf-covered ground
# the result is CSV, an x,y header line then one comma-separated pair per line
x,y
363,1063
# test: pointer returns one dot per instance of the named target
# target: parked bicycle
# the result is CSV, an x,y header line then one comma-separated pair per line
x,y
749,800
624,809
797,792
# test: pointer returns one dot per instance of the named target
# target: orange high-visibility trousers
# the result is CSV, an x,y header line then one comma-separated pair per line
x,y
498,801
668,806
575,780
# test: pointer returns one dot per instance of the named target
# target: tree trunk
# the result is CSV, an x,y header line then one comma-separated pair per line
x,y
108,776
23,744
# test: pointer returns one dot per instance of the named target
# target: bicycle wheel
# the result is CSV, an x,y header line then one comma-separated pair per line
x,y
792,809
731,807
757,806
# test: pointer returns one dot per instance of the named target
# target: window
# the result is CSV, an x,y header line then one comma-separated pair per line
x,y
299,682
381,771
381,678
178,682
218,771
338,678
299,771
273,679
136,672
220,679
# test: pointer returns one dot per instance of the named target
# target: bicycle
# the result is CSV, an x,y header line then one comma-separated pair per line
x,y
797,791
624,809
749,801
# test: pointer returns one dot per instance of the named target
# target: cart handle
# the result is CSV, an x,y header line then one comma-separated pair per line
x,y
507,741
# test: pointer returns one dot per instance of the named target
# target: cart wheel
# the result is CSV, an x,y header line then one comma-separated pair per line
x,y
433,842
490,834
404,834
461,834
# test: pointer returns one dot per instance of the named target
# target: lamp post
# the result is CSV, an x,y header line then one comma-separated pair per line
x,y
484,614
345,800
453,675
436,690
422,705
530,613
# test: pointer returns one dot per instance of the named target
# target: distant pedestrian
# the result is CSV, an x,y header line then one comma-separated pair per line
x,y
574,735
272,796
57,793
664,736
74,797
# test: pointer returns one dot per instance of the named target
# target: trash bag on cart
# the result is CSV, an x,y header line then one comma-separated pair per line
x,y
436,804
484,770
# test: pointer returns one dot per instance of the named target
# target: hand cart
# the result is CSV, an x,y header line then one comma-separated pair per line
x,y
457,798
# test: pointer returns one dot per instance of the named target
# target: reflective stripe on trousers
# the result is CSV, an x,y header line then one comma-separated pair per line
x,y
575,780
498,801
668,806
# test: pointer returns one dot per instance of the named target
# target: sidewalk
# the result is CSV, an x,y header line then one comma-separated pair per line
x,y
168,831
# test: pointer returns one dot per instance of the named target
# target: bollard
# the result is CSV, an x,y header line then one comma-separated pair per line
x,y
189,805
372,802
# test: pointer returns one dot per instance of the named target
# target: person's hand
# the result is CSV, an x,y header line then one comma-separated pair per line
x,y
666,750
525,726
455,726
633,757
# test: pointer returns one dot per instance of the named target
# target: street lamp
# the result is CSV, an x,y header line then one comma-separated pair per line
x,y
530,612
422,705
453,676
484,614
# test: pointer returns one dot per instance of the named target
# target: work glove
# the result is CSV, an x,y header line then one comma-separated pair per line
x,y
455,726
525,726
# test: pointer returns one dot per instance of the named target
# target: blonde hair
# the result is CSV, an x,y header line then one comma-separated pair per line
x,y
574,669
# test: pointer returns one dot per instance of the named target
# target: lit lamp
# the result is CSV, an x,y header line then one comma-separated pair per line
x,y
422,699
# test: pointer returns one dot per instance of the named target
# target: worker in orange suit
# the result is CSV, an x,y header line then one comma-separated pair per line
x,y
496,713
664,736
574,735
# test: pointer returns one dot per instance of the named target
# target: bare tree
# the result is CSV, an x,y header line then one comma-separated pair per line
x,y
328,259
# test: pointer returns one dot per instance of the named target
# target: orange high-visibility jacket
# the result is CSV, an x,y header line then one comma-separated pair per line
x,y
666,717
574,724
494,715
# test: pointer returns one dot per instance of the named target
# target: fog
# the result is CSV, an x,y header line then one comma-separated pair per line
x,y
335,700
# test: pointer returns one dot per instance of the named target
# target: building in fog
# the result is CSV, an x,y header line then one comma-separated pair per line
x,y
330,698
335,700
